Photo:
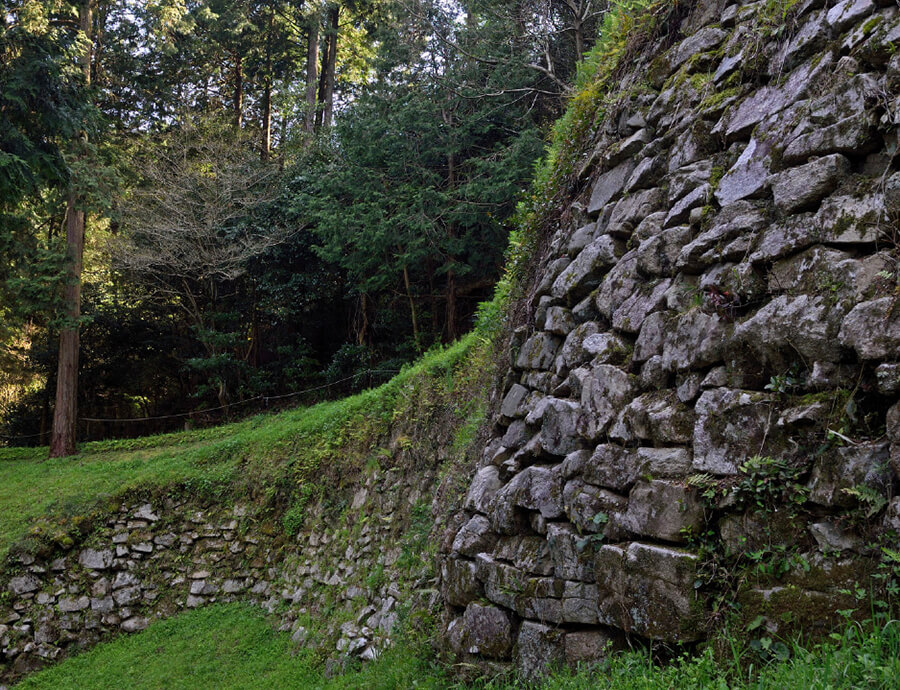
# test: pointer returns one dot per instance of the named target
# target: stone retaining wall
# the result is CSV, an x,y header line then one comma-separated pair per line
x,y
150,560
728,289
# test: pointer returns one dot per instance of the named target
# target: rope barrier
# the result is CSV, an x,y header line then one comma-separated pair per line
x,y
265,398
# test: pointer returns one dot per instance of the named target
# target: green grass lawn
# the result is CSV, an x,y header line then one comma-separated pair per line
x,y
222,647
236,646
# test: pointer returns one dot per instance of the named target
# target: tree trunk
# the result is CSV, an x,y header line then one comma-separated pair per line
x,y
451,315
63,432
238,90
312,77
62,438
328,72
412,309
267,94
267,120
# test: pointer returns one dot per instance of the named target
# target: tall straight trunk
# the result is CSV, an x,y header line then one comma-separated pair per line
x,y
267,94
238,104
412,308
65,412
328,72
323,77
267,120
62,438
312,77
451,315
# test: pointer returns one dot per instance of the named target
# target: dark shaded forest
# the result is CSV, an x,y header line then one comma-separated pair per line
x,y
213,207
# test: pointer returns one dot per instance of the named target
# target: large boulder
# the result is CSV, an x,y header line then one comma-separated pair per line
x,y
648,590
731,426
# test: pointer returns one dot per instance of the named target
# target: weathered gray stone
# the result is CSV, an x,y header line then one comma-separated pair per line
x,y
605,393
888,377
559,434
811,271
740,220
103,604
652,336
692,145
657,416
534,488
580,239
850,135
631,313
648,227
681,211
645,175
539,649
626,149
688,179
559,320
632,209
23,584
731,426
804,186
697,340
530,554
584,502
851,220
848,12
649,590
573,352
841,471
608,185
488,631
749,176
786,237
483,489
618,284
892,195
658,254
663,509
790,325
812,36
771,99
538,352
145,512
94,559
872,329
554,268
587,270
459,584
73,604
572,561
831,537
588,647
474,537
125,579
892,516
579,603
135,624
604,348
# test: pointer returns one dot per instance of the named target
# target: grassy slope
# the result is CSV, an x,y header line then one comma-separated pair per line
x,y
235,646
223,647
246,457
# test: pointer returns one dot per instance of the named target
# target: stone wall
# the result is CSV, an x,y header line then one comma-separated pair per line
x,y
711,371
360,554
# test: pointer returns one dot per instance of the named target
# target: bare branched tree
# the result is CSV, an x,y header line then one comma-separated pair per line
x,y
187,218
193,223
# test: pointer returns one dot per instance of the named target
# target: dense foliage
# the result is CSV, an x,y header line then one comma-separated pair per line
x,y
279,196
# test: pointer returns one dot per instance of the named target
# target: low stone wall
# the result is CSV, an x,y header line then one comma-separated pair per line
x,y
724,290
151,560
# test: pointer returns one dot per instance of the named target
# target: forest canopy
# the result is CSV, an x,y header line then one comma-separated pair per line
x,y
209,206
